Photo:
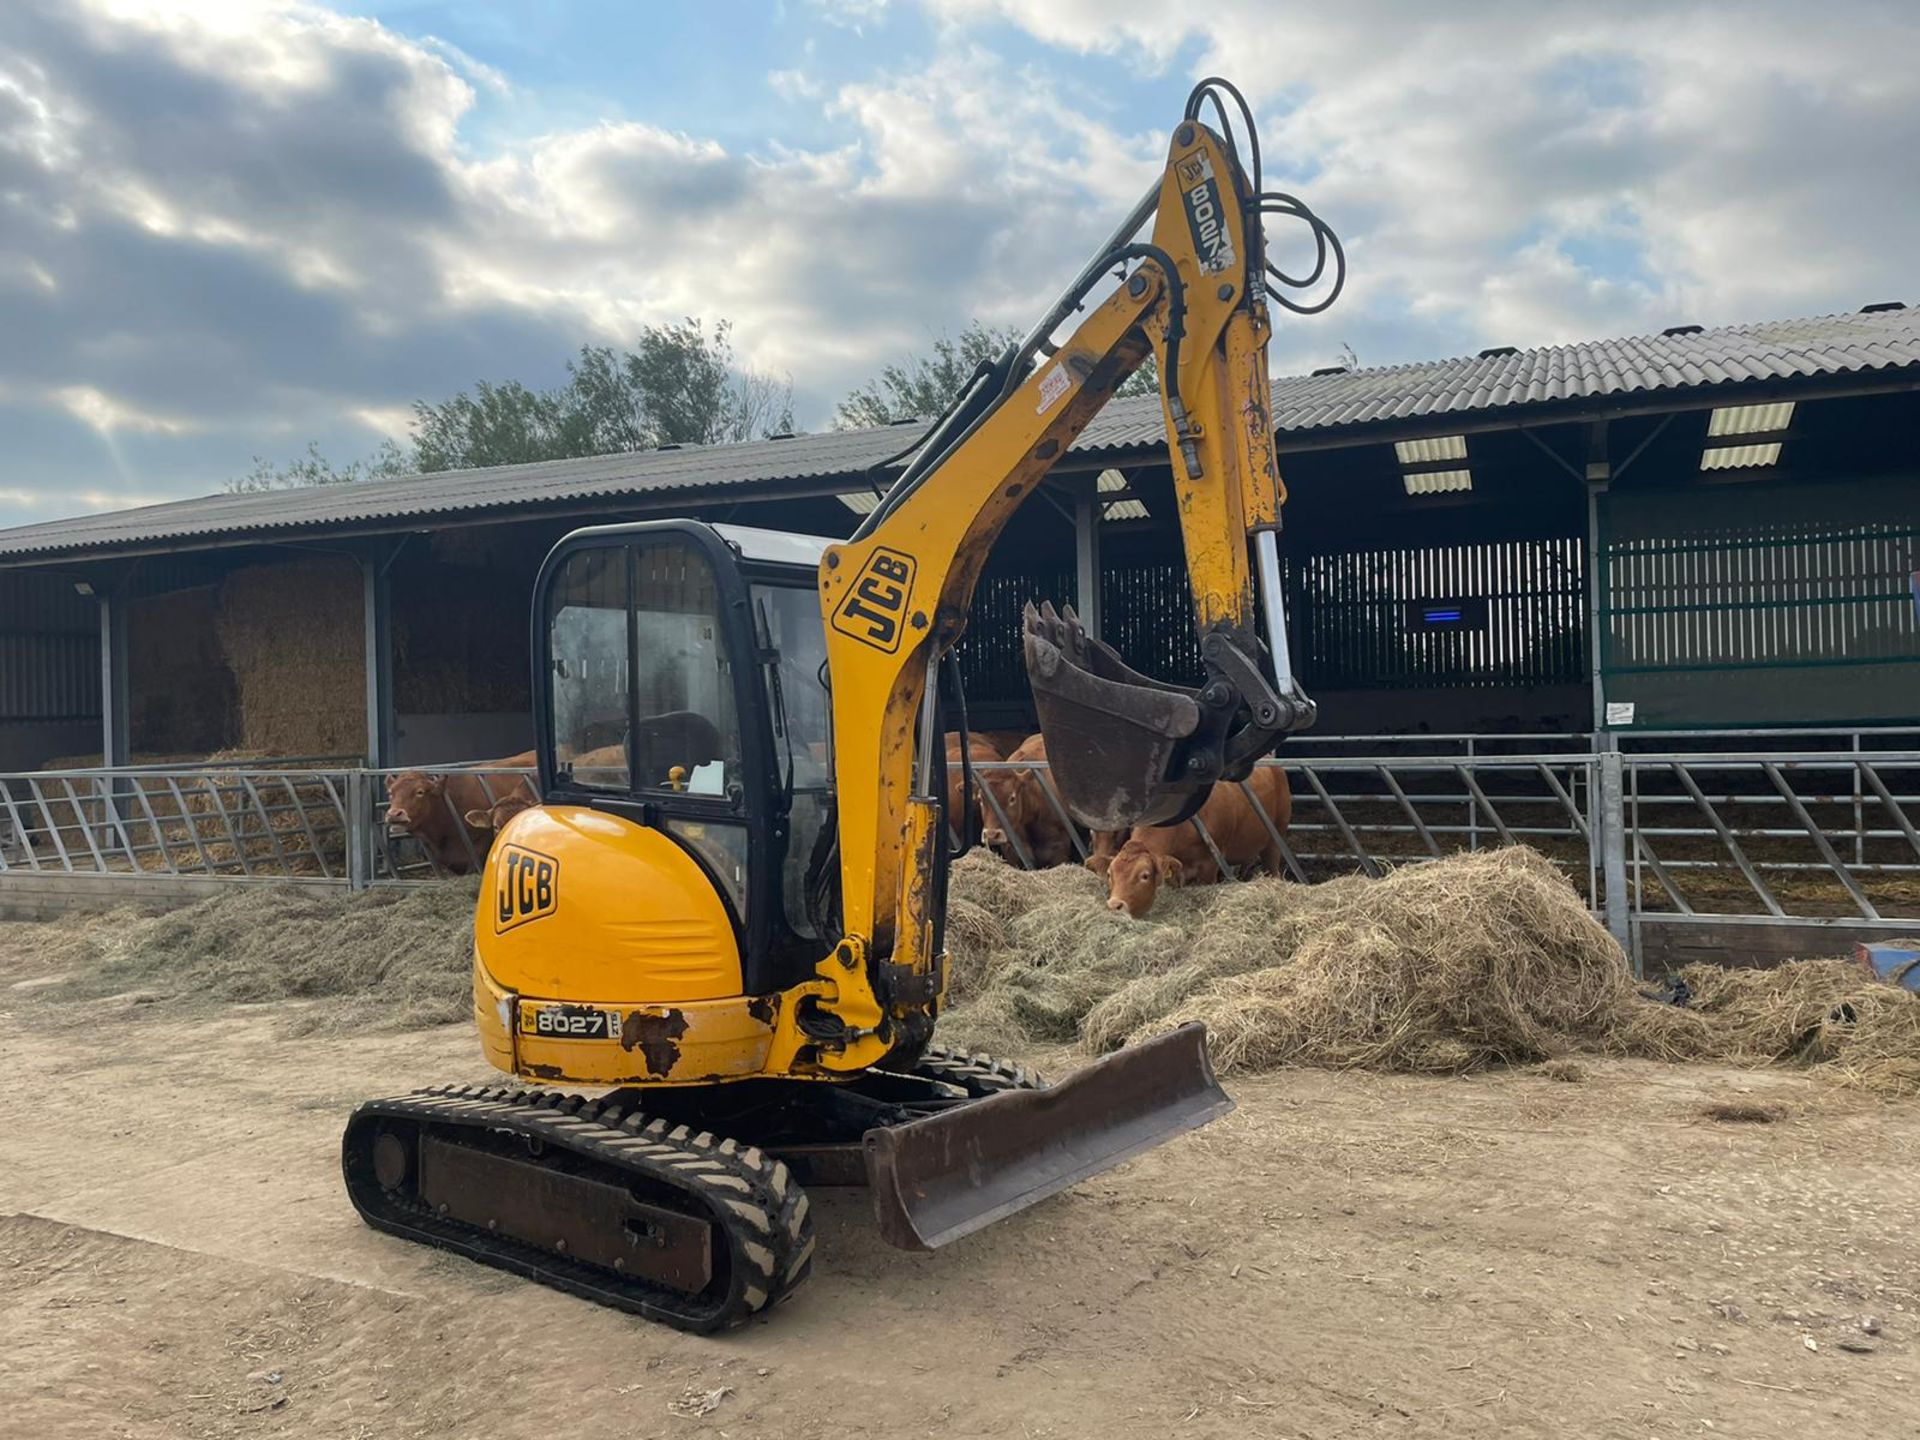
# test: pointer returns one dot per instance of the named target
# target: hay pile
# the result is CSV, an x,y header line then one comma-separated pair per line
x,y
1829,1014
1476,960
387,960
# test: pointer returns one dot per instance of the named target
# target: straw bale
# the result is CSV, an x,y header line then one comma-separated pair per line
x,y
293,638
459,638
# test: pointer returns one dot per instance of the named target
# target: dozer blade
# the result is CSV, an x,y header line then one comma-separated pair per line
x,y
937,1179
1111,732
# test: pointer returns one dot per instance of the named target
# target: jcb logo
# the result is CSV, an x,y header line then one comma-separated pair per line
x,y
526,887
873,607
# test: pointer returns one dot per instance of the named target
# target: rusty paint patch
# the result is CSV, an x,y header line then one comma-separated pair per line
x,y
656,1037
764,1008
545,1072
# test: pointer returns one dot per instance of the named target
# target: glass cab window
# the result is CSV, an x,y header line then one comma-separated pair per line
x,y
641,682
686,734
588,654
802,712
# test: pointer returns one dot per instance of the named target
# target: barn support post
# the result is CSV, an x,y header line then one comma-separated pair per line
x,y
1599,475
116,724
359,821
116,707
1609,828
1086,556
377,615
1609,832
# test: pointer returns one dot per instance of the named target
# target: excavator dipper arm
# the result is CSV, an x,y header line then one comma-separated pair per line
x,y
1125,749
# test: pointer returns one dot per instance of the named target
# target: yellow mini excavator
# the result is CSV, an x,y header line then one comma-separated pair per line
x,y
726,917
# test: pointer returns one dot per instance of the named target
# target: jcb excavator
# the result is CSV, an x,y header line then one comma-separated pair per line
x,y
727,914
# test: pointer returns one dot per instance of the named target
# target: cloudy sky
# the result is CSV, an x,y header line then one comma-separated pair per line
x,y
227,229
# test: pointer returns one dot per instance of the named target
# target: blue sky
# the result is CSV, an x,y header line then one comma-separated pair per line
x,y
229,229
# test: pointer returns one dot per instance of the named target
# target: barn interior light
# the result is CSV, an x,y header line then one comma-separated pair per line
x,y
82,587
860,502
1437,482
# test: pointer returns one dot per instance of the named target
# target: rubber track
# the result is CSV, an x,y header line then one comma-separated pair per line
x,y
978,1074
753,1199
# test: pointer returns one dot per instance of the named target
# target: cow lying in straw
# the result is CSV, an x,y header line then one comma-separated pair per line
x,y
1177,855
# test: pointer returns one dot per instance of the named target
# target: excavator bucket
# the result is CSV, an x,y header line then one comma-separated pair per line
x,y
937,1179
1111,732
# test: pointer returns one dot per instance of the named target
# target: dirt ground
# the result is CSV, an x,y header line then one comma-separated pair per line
x,y
1345,1255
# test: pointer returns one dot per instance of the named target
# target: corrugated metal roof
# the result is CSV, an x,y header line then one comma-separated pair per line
x,y
1732,356
612,477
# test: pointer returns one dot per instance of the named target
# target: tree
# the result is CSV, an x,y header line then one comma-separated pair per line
x,y
925,385
678,385
314,468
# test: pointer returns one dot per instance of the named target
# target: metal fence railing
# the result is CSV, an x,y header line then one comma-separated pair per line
x,y
243,822
1808,834
1825,832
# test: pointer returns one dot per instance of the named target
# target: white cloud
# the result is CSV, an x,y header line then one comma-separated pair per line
x,y
1735,162
98,500
307,167
104,413
224,225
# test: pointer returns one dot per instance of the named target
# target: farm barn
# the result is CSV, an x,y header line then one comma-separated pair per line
x,y
1647,604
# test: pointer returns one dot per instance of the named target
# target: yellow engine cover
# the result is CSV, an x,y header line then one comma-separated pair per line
x,y
604,956
580,905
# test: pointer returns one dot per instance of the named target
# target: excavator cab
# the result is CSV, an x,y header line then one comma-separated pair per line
x,y
682,686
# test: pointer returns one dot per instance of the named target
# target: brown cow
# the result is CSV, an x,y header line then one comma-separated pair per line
x,y
979,749
432,808
605,767
494,818
1176,855
1030,814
